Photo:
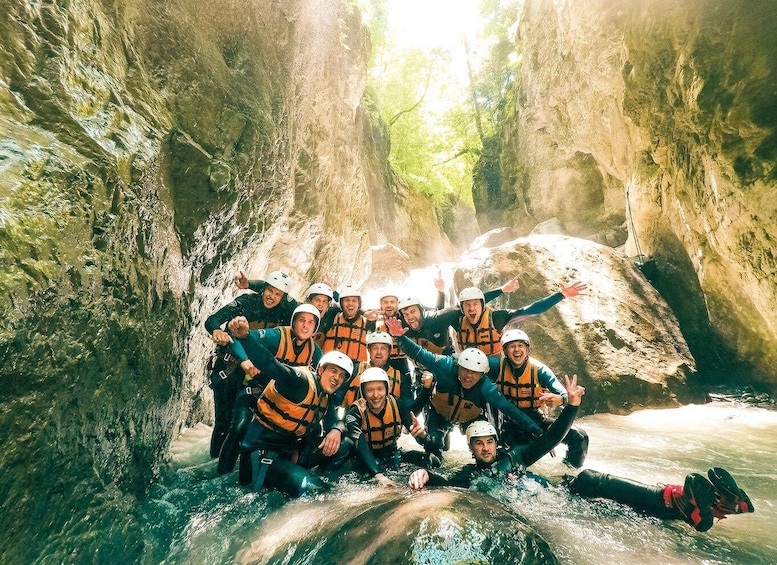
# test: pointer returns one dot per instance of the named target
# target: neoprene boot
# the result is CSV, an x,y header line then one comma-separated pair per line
x,y
577,447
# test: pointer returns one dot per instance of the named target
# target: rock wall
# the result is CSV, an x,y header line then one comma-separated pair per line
x,y
658,115
148,150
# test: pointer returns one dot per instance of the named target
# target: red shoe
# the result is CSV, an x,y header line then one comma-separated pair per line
x,y
693,501
729,498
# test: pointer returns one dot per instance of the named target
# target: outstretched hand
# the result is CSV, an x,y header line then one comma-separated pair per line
x,y
241,281
416,429
574,392
418,479
577,287
395,327
511,285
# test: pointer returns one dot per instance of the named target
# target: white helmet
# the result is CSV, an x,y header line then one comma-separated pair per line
x,y
471,293
514,335
474,360
309,309
480,428
349,291
407,301
339,360
279,280
379,337
373,374
389,292
320,288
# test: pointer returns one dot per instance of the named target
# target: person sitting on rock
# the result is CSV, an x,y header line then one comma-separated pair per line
x,y
291,414
374,423
531,385
480,326
269,306
292,345
460,392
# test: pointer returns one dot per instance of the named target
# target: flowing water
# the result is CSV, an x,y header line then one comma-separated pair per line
x,y
192,516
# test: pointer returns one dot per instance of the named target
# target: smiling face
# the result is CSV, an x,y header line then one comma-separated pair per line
x,y
271,296
375,394
517,352
331,377
350,306
473,310
484,449
413,317
379,354
304,325
389,306
468,378
320,301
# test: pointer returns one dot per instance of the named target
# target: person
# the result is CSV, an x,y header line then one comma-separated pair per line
x,y
460,392
480,326
268,307
697,501
493,460
292,345
348,331
531,385
290,415
321,296
374,424
379,347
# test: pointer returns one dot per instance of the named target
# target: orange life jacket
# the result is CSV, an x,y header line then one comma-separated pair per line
x,y
384,432
260,325
286,354
524,390
275,411
484,336
354,388
347,337
453,407
428,345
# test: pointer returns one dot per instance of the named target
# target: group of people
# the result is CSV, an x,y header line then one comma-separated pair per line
x,y
304,389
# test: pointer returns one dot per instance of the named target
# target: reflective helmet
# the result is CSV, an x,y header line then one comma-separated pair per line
x,y
320,288
480,428
474,360
339,360
373,374
379,337
514,335
308,308
349,291
407,301
279,280
471,293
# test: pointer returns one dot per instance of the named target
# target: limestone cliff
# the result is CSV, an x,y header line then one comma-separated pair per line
x,y
149,149
659,116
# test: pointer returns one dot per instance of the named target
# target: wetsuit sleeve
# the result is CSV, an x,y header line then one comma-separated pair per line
x,y
435,363
257,285
441,320
548,379
493,367
364,453
492,294
328,319
225,314
534,450
316,355
497,400
502,317
289,383
461,478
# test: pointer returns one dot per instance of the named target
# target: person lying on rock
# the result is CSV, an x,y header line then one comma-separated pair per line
x,y
698,501
459,394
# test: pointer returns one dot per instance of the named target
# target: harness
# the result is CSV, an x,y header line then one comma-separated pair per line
x,y
347,337
453,407
223,363
380,431
523,391
484,336
278,413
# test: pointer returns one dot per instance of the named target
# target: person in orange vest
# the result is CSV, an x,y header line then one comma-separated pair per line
x,y
292,345
348,331
481,326
530,385
266,306
291,413
374,424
